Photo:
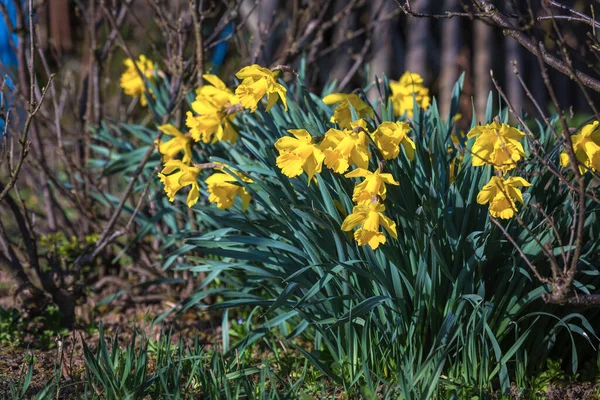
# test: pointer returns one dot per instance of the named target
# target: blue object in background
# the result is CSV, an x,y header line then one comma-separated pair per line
x,y
8,57
218,57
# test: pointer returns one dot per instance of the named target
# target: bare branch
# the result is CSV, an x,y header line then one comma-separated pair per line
x,y
509,30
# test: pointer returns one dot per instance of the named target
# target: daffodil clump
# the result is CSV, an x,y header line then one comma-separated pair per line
x,y
211,120
132,82
351,146
341,149
379,200
498,145
356,147
389,138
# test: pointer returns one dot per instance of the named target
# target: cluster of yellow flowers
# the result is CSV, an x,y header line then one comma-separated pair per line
x,y
368,194
405,92
349,147
212,120
498,145
340,149
214,111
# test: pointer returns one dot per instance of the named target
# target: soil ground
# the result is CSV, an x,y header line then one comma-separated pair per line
x,y
126,314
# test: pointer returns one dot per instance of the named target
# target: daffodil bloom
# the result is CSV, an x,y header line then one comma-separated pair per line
x,y
180,142
373,185
256,83
497,144
389,136
342,113
502,195
369,216
223,188
186,176
345,148
131,81
217,92
586,146
406,91
298,154
215,107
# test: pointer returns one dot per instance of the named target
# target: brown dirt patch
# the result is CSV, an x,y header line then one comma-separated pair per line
x,y
572,391
128,313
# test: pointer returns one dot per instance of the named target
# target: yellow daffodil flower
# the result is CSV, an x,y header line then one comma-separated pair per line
x,y
342,114
217,91
180,142
406,91
373,185
502,195
256,83
389,136
215,107
369,215
586,145
345,148
223,188
299,154
186,176
497,144
131,81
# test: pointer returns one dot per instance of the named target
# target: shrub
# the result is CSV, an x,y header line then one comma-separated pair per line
x,y
446,295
